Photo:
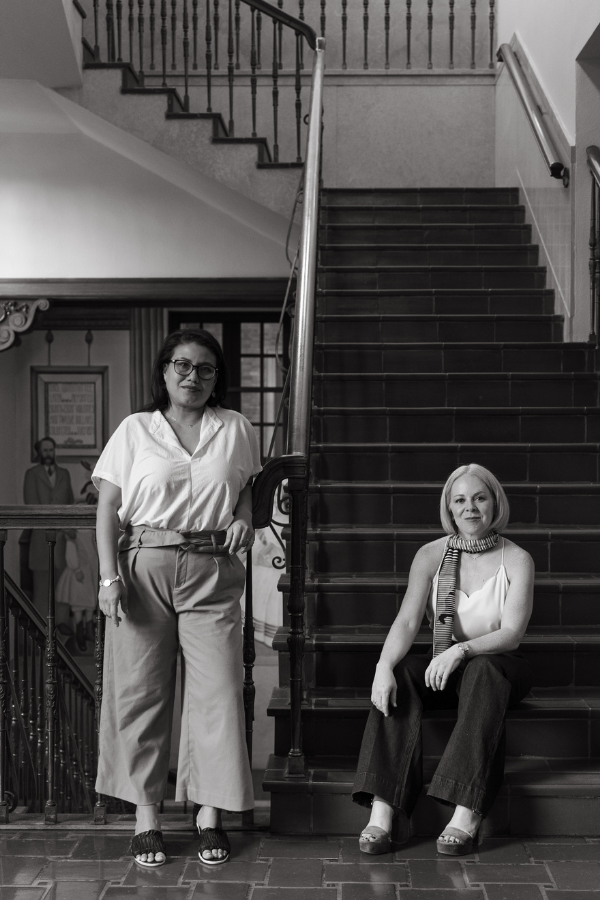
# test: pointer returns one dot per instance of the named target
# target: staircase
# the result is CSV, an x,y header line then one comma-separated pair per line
x,y
437,346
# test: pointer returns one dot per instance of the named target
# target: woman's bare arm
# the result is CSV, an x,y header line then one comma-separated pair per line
x,y
107,536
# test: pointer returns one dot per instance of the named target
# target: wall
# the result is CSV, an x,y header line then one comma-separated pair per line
x,y
41,39
552,33
109,348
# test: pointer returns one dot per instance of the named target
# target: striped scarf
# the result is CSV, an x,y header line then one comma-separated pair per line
x,y
446,592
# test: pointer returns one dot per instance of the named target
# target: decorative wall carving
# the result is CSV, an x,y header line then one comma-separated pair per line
x,y
16,316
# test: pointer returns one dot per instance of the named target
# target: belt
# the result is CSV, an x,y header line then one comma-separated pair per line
x,y
196,541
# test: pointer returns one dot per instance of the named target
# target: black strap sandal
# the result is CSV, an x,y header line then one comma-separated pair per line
x,y
148,842
213,839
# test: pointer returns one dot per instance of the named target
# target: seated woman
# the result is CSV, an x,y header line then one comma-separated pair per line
x,y
477,590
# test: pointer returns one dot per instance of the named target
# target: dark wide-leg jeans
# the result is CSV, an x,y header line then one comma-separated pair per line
x,y
471,770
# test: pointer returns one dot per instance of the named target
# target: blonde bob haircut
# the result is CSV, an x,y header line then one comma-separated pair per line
x,y
501,506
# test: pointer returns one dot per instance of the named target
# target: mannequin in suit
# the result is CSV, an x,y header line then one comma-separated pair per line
x,y
46,483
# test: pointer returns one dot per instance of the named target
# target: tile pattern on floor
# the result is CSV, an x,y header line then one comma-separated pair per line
x,y
87,866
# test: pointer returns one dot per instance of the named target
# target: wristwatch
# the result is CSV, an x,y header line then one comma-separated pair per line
x,y
464,649
106,582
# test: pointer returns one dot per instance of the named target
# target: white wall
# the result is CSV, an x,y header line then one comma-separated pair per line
x,y
552,33
41,39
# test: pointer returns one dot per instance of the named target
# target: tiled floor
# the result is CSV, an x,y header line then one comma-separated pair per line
x,y
86,866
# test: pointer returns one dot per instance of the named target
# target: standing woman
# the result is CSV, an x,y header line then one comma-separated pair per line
x,y
477,590
175,506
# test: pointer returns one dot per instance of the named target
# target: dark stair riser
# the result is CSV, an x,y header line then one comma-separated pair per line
x,y
419,329
576,425
486,391
451,357
473,303
553,463
422,215
554,665
451,233
554,607
421,196
421,255
379,552
418,277
397,507
557,734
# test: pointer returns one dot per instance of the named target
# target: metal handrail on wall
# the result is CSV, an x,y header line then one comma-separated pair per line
x,y
534,114
593,160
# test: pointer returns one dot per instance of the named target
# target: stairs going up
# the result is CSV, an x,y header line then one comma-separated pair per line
x,y
437,346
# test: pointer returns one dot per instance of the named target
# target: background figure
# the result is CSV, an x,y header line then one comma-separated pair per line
x,y
46,484
77,587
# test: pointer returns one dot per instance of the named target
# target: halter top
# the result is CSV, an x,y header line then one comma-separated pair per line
x,y
477,613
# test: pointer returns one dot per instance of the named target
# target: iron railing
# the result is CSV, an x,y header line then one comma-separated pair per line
x,y
537,118
593,160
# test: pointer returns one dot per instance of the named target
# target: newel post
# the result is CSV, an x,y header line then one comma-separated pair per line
x,y
50,812
297,487
3,689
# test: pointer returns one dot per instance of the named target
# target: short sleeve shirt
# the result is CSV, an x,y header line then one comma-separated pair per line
x,y
162,486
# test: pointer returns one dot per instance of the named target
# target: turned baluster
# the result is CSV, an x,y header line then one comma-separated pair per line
x,y
164,40
275,73
50,811
253,69
230,64
323,17
41,725
280,30
119,8
237,33
301,17
492,21
152,21
100,806
173,34
96,31
141,38
4,689
429,33
451,28
195,33
131,28
408,32
13,707
186,57
366,34
258,39
298,88
386,25
208,57
216,20
344,32
110,31
473,27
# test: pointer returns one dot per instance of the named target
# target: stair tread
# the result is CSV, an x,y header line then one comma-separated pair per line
x,y
363,245
370,637
455,376
442,317
383,582
389,446
425,267
464,410
435,530
434,487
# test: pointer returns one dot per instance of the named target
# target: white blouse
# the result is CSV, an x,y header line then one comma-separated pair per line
x,y
478,613
163,486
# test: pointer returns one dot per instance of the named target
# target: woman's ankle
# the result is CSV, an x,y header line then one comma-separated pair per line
x,y
381,814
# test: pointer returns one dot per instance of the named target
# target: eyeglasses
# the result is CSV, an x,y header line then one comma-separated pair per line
x,y
185,367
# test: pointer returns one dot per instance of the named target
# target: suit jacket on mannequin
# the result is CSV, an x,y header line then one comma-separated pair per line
x,y
37,489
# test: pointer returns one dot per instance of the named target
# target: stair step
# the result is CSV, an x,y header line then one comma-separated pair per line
x,y
361,255
543,461
379,389
543,725
384,355
561,601
535,301
411,235
420,196
378,550
553,797
420,329
506,425
406,503
430,214
385,277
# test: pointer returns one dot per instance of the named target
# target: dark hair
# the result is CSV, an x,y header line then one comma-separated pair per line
x,y
38,444
158,388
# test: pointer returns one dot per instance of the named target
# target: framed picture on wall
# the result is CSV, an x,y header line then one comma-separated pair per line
x,y
70,405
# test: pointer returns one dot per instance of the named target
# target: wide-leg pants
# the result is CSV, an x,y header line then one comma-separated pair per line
x,y
471,770
176,598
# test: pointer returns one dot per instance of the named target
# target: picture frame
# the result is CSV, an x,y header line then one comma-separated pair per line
x,y
70,405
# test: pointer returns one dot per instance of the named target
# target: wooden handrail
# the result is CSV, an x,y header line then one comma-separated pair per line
x,y
40,518
534,114
281,16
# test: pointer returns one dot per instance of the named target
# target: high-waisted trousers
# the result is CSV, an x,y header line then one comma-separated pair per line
x,y
471,770
177,598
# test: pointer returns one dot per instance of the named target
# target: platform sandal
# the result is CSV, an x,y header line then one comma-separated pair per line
x,y
213,839
465,841
148,842
381,844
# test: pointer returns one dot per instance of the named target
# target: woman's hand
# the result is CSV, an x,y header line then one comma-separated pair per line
x,y
441,667
383,692
109,599
240,535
